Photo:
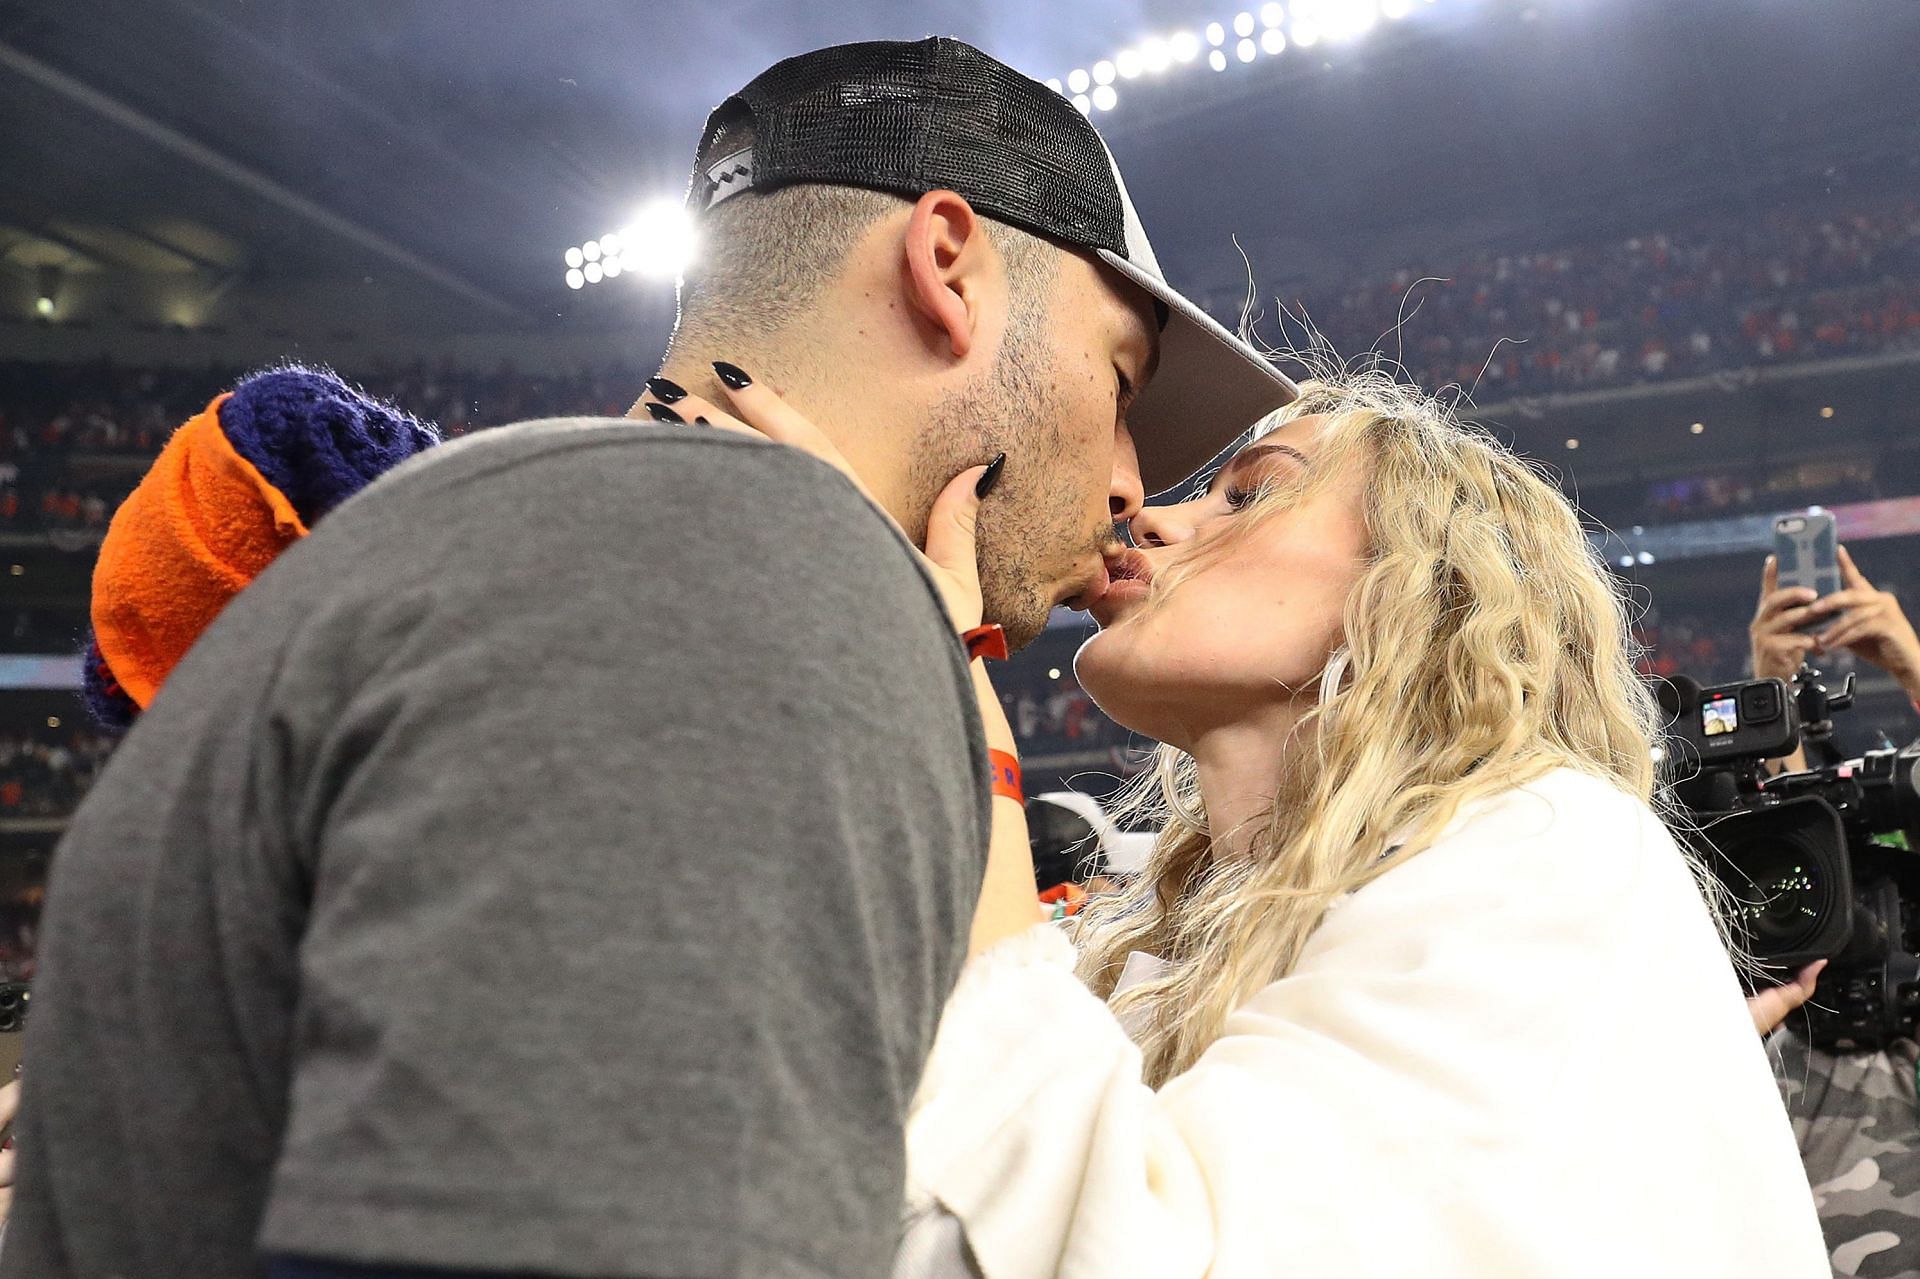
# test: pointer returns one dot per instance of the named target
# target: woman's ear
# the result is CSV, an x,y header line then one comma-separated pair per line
x,y
947,260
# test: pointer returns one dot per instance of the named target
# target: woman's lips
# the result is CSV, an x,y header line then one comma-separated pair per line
x,y
1095,589
1120,595
1130,580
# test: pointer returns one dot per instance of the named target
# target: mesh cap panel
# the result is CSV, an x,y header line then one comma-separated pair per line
x,y
912,118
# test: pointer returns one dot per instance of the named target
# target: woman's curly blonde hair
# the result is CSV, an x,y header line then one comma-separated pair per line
x,y
1485,644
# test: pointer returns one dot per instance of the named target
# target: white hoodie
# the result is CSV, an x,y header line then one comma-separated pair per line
x,y
1523,1052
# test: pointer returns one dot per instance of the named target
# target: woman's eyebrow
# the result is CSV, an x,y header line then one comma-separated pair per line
x,y
1248,456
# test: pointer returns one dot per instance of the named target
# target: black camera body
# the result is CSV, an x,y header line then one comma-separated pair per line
x,y
1807,859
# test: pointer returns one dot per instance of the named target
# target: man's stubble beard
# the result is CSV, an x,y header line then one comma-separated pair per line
x,y
1031,523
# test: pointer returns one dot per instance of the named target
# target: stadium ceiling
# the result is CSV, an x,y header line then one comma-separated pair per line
x,y
461,146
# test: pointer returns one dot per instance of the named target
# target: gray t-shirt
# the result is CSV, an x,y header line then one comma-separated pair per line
x,y
556,862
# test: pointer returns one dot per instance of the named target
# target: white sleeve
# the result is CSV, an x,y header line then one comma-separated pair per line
x,y
1522,1053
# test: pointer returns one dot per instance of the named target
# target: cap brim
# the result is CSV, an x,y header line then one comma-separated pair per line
x,y
1210,387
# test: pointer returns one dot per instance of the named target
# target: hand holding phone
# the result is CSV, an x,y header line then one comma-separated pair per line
x,y
1806,549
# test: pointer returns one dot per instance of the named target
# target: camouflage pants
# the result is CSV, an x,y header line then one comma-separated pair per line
x,y
1858,1124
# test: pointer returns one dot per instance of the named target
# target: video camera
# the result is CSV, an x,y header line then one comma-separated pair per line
x,y
1805,857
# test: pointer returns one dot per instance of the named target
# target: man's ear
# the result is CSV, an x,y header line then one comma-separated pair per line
x,y
947,259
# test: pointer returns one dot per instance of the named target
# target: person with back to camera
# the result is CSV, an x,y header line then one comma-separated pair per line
x,y
539,867
1856,1114
1349,1019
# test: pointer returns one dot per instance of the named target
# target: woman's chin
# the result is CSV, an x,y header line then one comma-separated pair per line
x,y
1113,674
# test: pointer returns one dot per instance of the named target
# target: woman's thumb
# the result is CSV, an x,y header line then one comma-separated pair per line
x,y
953,523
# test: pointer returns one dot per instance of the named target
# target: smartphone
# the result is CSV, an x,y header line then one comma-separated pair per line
x,y
1807,547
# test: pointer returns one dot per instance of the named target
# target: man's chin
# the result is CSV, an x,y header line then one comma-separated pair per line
x,y
1023,619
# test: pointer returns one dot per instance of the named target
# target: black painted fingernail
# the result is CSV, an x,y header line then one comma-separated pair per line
x,y
732,374
661,413
991,478
700,421
665,391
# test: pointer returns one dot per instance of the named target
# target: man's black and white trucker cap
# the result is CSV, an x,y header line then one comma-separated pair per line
x,y
939,114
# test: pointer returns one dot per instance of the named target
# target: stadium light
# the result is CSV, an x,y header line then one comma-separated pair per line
x,y
661,242
658,244
1346,19
662,249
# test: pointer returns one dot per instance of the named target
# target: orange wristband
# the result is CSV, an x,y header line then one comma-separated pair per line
x,y
985,641
1006,775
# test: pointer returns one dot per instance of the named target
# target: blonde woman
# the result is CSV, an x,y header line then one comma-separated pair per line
x,y
1415,982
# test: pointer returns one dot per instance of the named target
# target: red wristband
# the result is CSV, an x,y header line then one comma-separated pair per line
x,y
1005,768
986,641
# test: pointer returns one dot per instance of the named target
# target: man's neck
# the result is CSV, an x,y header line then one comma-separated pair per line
x,y
875,450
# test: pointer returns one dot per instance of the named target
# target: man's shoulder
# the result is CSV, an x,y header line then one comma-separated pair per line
x,y
621,449
566,476
712,512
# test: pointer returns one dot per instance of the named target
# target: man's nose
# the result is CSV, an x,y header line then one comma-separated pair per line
x,y
1161,526
1125,492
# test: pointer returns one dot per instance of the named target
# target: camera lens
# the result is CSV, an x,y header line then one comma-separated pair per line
x,y
1782,897
1759,703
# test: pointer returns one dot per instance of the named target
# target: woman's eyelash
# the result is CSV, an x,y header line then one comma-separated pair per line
x,y
1238,497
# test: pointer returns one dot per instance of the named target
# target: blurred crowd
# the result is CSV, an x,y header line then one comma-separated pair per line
x,y
1719,294
1711,296
1715,295
1057,715
73,436
1753,488
46,776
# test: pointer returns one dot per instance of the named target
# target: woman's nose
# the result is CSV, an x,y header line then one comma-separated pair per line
x,y
1161,526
